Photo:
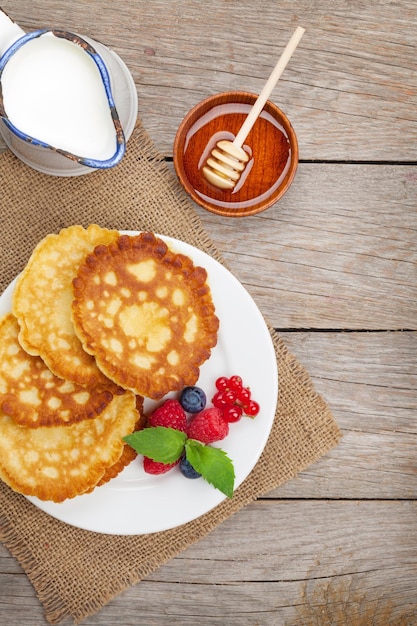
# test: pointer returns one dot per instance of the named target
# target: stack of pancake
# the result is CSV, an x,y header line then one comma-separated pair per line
x,y
99,321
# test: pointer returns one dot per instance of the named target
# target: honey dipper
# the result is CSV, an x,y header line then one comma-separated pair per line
x,y
228,159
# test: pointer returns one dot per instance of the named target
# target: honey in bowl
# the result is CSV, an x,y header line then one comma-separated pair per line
x,y
271,146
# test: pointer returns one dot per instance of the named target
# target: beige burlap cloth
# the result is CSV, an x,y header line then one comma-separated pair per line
x,y
76,572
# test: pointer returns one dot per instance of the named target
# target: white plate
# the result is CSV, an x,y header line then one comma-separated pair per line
x,y
137,503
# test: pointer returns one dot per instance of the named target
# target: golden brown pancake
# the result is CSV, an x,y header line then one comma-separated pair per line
x,y
42,302
145,313
128,454
60,462
33,395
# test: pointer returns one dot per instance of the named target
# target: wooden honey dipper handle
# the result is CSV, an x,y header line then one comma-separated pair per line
x,y
227,160
269,86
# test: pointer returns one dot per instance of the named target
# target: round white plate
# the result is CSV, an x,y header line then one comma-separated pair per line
x,y
137,503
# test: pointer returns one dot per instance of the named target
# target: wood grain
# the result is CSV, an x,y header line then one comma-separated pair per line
x,y
370,382
271,564
350,89
337,251
332,266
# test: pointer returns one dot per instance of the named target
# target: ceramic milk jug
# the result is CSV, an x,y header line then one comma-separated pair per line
x,y
57,109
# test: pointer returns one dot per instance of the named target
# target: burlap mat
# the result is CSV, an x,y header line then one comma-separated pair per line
x,y
76,572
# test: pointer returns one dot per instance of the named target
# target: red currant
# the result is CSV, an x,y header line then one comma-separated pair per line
x,y
230,396
252,408
222,383
233,399
235,383
219,401
232,413
244,395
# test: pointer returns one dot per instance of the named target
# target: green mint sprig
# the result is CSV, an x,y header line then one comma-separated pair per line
x,y
166,445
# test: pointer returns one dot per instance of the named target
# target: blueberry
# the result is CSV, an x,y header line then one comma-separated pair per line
x,y
193,399
187,469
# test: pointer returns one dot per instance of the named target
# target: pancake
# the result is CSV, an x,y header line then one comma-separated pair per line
x,y
145,313
128,454
62,462
42,302
33,395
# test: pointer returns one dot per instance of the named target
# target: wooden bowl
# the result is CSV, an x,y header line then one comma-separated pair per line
x,y
272,145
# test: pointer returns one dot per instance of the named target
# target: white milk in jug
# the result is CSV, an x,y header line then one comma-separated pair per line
x,y
53,92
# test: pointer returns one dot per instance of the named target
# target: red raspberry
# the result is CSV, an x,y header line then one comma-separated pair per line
x,y
153,467
208,426
171,415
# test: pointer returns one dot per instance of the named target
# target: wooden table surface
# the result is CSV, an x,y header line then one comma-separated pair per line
x,y
333,268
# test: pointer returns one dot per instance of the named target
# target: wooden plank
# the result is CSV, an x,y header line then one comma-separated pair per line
x,y
275,562
349,90
338,250
369,380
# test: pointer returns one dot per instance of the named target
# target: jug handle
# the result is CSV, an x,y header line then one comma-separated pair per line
x,y
9,32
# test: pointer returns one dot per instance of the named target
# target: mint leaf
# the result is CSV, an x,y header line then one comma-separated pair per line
x,y
213,464
164,445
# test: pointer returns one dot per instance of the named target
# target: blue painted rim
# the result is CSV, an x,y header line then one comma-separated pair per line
x,y
89,49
